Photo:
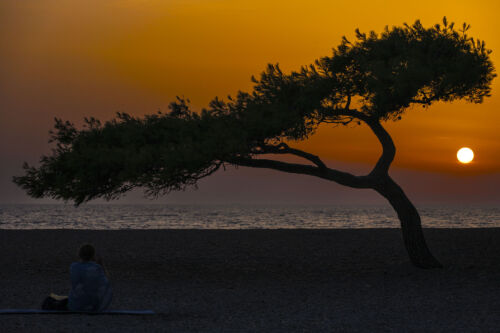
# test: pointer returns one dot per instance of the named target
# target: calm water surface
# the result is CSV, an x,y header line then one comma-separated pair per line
x,y
156,216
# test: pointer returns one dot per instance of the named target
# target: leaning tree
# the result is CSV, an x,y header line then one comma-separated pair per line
x,y
373,79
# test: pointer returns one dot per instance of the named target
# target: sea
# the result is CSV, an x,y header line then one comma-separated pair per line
x,y
156,216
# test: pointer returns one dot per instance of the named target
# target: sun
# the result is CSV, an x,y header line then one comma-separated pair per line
x,y
465,155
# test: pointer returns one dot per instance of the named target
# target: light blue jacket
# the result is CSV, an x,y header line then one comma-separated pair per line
x,y
90,288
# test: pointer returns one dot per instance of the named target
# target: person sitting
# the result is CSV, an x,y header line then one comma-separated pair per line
x,y
90,287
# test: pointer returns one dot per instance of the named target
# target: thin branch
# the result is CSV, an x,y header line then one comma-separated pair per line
x,y
425,100
346,114
348,103
354,114
418,101
208,172
336,122
283,148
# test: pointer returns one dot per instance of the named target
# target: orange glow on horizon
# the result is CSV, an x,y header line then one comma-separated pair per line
x,y
93,58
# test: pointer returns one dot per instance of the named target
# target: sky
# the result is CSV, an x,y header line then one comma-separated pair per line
x,y
72,59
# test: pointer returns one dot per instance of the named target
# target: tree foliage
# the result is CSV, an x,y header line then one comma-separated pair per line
x,y
374,78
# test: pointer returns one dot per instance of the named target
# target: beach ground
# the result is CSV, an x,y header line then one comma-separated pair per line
x,y
260,280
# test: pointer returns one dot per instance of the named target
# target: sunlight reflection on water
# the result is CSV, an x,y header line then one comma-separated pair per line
x,y
106,217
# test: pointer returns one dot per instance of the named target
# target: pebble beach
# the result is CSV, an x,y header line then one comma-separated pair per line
x,y
260,280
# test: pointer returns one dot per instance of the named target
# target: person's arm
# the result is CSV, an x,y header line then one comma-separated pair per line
x,y
99,261
73,275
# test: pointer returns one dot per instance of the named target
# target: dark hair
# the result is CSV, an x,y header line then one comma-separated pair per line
x,y
86,252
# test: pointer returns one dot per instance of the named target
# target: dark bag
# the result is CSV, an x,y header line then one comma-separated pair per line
x,y
51,303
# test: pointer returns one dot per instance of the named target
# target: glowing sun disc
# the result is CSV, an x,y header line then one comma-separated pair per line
x,y
465,155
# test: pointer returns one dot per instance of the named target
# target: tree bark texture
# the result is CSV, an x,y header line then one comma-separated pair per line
x,y
411,226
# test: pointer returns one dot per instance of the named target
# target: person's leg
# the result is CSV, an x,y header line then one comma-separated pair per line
x,y
106,299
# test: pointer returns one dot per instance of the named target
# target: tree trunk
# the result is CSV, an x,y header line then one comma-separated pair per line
x,y
411,227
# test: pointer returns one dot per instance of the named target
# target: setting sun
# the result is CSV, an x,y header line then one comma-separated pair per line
x,y
465,155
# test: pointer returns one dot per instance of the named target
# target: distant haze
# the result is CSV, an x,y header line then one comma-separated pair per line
x,y
72,59
258,186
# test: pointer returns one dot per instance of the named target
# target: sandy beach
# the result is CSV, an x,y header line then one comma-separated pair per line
x,y
260,280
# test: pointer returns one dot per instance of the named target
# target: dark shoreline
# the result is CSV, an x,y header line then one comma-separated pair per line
x,y
262,280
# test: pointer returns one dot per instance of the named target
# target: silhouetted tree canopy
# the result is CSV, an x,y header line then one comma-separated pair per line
x,y
374,78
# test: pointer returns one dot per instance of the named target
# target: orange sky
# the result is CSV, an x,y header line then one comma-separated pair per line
x,y
79,58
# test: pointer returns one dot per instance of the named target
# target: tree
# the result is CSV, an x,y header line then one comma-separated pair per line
x,y
374,79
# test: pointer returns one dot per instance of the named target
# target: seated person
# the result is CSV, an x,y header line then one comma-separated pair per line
x,y
90,288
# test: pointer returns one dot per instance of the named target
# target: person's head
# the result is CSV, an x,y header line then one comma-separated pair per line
x,y
86,252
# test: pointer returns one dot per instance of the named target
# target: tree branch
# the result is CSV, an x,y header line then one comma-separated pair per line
x,y
208,172
425,100
354,114
343,178
283,148
419,101
348,103
321,170
388,147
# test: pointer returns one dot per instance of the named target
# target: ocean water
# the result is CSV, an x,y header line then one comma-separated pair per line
x,y
155,216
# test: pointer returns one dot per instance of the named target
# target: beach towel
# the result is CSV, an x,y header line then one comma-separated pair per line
x,y
107,312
